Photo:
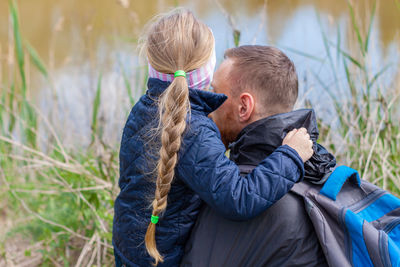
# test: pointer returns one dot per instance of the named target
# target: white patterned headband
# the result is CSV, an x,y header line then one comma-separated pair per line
x,y
197,79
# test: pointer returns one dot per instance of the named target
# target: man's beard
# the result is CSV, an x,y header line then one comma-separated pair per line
x,y
227,137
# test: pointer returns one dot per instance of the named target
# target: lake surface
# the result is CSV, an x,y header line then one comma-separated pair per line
x,y
79,40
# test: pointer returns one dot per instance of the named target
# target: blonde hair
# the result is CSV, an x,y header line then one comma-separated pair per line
x,y
176,41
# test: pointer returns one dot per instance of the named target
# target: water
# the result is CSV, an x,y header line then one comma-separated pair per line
x,y
78,40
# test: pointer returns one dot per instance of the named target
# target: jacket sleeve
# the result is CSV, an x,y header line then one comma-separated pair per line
x,y
205,168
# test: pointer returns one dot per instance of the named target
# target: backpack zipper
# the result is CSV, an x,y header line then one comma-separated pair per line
x,y
347,239
364,203
388,228
383,249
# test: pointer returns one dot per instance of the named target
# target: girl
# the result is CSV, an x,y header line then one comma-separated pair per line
x,y
187,154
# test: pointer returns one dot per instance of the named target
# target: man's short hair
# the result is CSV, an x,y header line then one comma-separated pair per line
x,y
267,71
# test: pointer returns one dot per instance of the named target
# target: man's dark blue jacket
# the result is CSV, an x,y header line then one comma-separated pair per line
x,y
203,173
281,236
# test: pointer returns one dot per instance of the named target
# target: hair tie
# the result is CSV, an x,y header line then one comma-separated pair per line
x,y
197,79
154,219
179,73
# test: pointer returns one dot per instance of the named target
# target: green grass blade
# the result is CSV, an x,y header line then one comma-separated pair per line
x,y
327,49
356,29
334,99
28,114
326,88
338,43
2,112
96,106
350,81
301,53
36,59
18,44
355,97
370,27
127,85
11,123
236,37
377,75
142,83
352,59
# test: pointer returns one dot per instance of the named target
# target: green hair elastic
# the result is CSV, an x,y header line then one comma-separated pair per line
x,y
179,73
154,219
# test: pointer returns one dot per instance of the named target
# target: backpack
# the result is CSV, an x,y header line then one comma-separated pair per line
x,y
357,223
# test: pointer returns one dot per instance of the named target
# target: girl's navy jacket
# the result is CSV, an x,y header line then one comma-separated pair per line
x,y
203,173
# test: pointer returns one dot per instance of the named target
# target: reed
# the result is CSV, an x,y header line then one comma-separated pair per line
x,y
366,134
96,106
66,196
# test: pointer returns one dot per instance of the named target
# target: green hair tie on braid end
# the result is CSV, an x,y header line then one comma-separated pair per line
x,y
154,219
179,73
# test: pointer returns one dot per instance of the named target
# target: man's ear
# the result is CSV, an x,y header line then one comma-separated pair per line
x,y
246,107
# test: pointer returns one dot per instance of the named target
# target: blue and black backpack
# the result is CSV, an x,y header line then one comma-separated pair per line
x,y
357,223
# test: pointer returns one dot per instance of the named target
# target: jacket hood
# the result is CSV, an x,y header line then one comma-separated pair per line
x,y
200,100
262,137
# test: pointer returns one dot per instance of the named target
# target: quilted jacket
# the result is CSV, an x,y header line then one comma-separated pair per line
x,y
203,173
283,235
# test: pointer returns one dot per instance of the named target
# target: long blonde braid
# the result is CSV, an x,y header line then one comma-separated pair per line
x,y
176,41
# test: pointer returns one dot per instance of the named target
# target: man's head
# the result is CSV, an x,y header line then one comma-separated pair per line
x,y
259,81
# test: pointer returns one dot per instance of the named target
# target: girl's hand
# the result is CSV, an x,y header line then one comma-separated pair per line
x,y
299,140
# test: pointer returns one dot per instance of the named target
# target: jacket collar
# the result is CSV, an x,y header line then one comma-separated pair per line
x,y
260,138
200,100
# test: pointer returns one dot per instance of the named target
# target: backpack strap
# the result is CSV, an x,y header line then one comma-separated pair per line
x,y
298,188
336,180
246,169
333,182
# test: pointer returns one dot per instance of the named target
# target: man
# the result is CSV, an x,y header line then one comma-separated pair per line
x,y
262,87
